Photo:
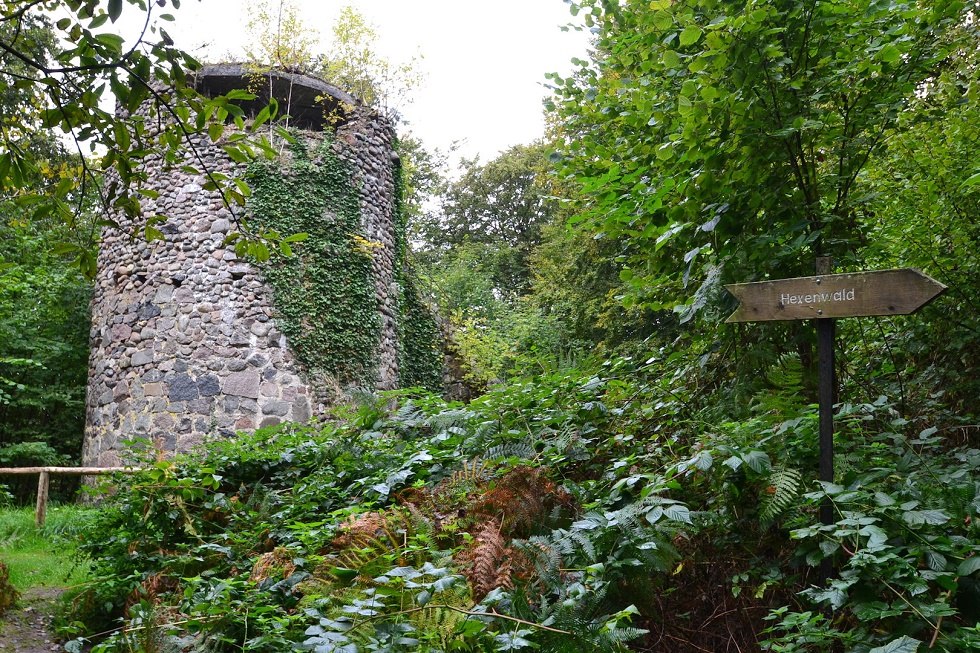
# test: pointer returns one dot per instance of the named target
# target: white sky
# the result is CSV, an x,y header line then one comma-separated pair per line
x,y
484,62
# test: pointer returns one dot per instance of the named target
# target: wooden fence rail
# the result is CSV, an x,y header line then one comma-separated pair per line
x,y
44,481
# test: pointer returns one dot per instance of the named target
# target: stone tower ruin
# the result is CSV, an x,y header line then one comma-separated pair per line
x,y
190,341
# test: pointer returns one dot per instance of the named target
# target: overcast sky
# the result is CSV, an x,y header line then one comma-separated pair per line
x,y
484,62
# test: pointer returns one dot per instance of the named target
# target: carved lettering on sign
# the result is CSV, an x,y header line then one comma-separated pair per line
x,y
880,292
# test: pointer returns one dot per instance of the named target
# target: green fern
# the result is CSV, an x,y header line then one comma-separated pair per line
x,y
441,620
785,485
786,373
521,449
785,378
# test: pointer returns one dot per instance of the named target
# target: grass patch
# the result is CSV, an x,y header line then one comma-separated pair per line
x,y
44,557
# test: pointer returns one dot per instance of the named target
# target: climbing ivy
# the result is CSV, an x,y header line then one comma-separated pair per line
x,y
324,293
420,356
420,343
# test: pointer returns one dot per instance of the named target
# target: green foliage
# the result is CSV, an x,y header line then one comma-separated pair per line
x,y
44,329
502,205
354,64
726,142
30,454
528,517
367,525
324,293
61,61
44,557
923,213
280,39
420,355
904,541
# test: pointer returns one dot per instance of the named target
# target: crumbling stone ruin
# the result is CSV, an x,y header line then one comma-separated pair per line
x,y
190,341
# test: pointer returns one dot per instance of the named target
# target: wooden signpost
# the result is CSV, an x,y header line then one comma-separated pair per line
x,y
860,294
824,298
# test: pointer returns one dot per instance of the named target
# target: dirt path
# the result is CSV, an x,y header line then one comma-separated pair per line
x,y
26,627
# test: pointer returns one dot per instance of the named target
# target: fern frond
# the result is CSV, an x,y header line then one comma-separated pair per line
x,y
448,419
489,565
522,449
785,485
582,539
442,619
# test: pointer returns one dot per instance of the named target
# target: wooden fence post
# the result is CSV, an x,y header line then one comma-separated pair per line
x,y
43,483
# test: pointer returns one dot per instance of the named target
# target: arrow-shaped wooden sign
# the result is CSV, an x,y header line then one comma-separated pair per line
x,y
878,292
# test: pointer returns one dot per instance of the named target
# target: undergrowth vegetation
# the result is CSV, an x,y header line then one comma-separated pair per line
x,y
581,511
43,557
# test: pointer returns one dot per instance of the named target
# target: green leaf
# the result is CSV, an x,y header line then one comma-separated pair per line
x,y
678,512
239,94
690,35
890,54
972,180
968,566
215,130
236,154
932,517
672,59
903,644
758,461
115,9
112,41
663,20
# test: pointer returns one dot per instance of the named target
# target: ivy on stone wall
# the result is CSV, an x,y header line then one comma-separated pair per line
x,y
324,293
420,356
420,341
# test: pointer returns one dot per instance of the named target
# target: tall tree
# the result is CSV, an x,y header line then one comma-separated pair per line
x,y
725,140
503,204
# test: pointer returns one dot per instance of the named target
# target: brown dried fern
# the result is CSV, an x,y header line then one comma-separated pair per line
x,y
522,499
487,565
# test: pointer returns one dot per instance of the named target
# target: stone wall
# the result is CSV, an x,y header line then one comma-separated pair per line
x,y
184,337
368,145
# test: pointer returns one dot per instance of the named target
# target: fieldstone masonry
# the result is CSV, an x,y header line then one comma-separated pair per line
x,y
184,336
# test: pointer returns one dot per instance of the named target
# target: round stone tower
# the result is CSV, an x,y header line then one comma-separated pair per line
x,y
190,341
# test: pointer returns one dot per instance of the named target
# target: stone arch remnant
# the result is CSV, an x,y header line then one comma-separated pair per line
x,y
189,341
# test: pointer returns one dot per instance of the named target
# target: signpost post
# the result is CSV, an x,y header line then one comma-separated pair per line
x,y
824,298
